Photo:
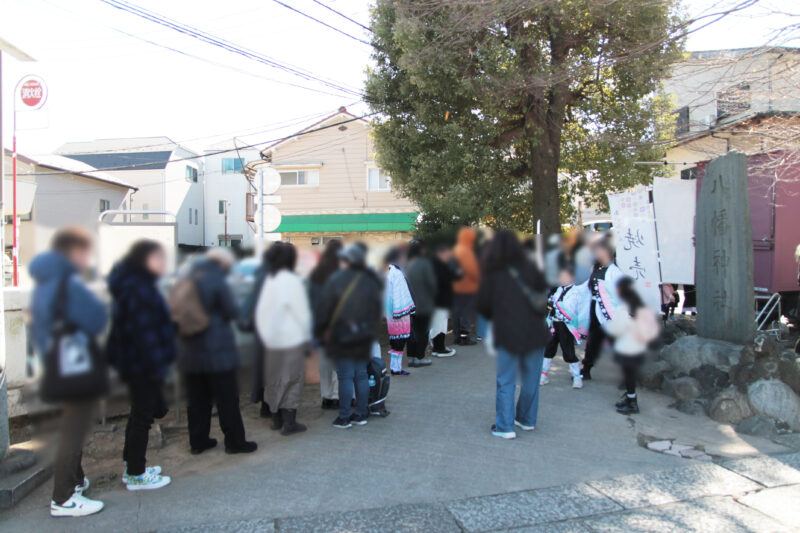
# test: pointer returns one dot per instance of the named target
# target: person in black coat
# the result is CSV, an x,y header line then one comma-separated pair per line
x,y
511,282
347,320
447,271
209,360
141,346
246,324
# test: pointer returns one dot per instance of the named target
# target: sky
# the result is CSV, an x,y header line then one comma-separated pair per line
x,y
112,74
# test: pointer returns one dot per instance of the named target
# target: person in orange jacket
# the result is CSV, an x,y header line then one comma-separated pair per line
x,y
465,289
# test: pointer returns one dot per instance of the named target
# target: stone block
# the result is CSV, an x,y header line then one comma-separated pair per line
x,y
652,373
757,425
711,379
528,508
682,388
694,406
730,406
401,518
770,471
780,503
775,399
659,445
706,515
724,253
689,353
667,486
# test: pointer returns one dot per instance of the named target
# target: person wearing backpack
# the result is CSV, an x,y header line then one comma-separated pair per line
x,y
347,319
283,323
209,359
141,346
506,298
633,327
70,254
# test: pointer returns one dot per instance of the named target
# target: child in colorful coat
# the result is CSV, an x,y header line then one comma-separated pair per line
x,y
398,306
565,327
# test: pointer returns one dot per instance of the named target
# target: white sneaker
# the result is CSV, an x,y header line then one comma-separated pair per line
x,y
83,487
154,470
77,505
449,353
508,435
577,382
523,427
544,379
147,481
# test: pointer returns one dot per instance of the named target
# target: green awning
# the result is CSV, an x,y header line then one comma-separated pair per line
x,y
347,223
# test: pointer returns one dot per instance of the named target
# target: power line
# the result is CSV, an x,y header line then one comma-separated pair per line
x,y
224,44
329,8
334,28
189,158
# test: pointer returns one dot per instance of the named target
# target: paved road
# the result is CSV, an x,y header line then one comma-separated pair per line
x,y
433,456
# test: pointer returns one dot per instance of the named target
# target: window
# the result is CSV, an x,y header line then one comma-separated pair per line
x,y
377,179
232,165
190,216
191,174
300,177
689,173
682,120
145,207
196,219
733,100
105,205
222,207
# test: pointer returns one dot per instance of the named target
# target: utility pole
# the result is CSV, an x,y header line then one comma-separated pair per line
x,y
4,433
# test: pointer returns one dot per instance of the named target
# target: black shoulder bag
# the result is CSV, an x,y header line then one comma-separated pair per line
x,y
536,299
74,366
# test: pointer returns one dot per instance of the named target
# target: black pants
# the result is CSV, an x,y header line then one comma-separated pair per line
x,y
420,328
463,313
630,365
67,470
147,403
594,343
561,337
202,392
438,343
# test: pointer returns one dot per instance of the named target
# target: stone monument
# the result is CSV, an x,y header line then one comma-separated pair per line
x,y
724,262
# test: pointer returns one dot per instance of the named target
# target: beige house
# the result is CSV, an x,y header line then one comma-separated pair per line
x,y
744,99
54,192
331,186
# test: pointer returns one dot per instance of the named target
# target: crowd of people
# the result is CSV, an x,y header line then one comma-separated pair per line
x,y
522,303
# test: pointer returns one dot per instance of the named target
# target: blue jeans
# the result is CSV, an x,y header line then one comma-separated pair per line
x,y
483,326
530,366
352,373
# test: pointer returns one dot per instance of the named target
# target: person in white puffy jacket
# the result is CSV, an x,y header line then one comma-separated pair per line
x,y
283,323
633,327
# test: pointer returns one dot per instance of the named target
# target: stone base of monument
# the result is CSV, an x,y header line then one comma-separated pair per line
x,y
755,387
21,471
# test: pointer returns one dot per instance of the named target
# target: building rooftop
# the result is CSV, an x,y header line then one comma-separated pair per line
x,y
71,166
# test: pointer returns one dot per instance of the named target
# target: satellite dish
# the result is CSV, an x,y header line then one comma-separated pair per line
x,y
272,218
271,179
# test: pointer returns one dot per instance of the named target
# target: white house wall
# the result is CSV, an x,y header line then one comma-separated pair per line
x,y
182,195
232,188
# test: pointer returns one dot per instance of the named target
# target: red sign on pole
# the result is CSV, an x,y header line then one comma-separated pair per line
x,y
33,92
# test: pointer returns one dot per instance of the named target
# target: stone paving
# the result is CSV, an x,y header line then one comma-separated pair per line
x,y
758,494
433,466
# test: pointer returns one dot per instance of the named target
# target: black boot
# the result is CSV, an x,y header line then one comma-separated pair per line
x,y
277,420
207,445
290,424
623,400
265,412
630,407
586,372
244,447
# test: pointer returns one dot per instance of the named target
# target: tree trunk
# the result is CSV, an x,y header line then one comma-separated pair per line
x,y
544,188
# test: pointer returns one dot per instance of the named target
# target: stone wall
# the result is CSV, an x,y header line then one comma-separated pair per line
x,y
754,386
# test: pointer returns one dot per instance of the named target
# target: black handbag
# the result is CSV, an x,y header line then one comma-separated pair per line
x,y
74,366
537,300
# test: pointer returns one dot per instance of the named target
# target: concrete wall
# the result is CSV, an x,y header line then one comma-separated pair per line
x,y
230,187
